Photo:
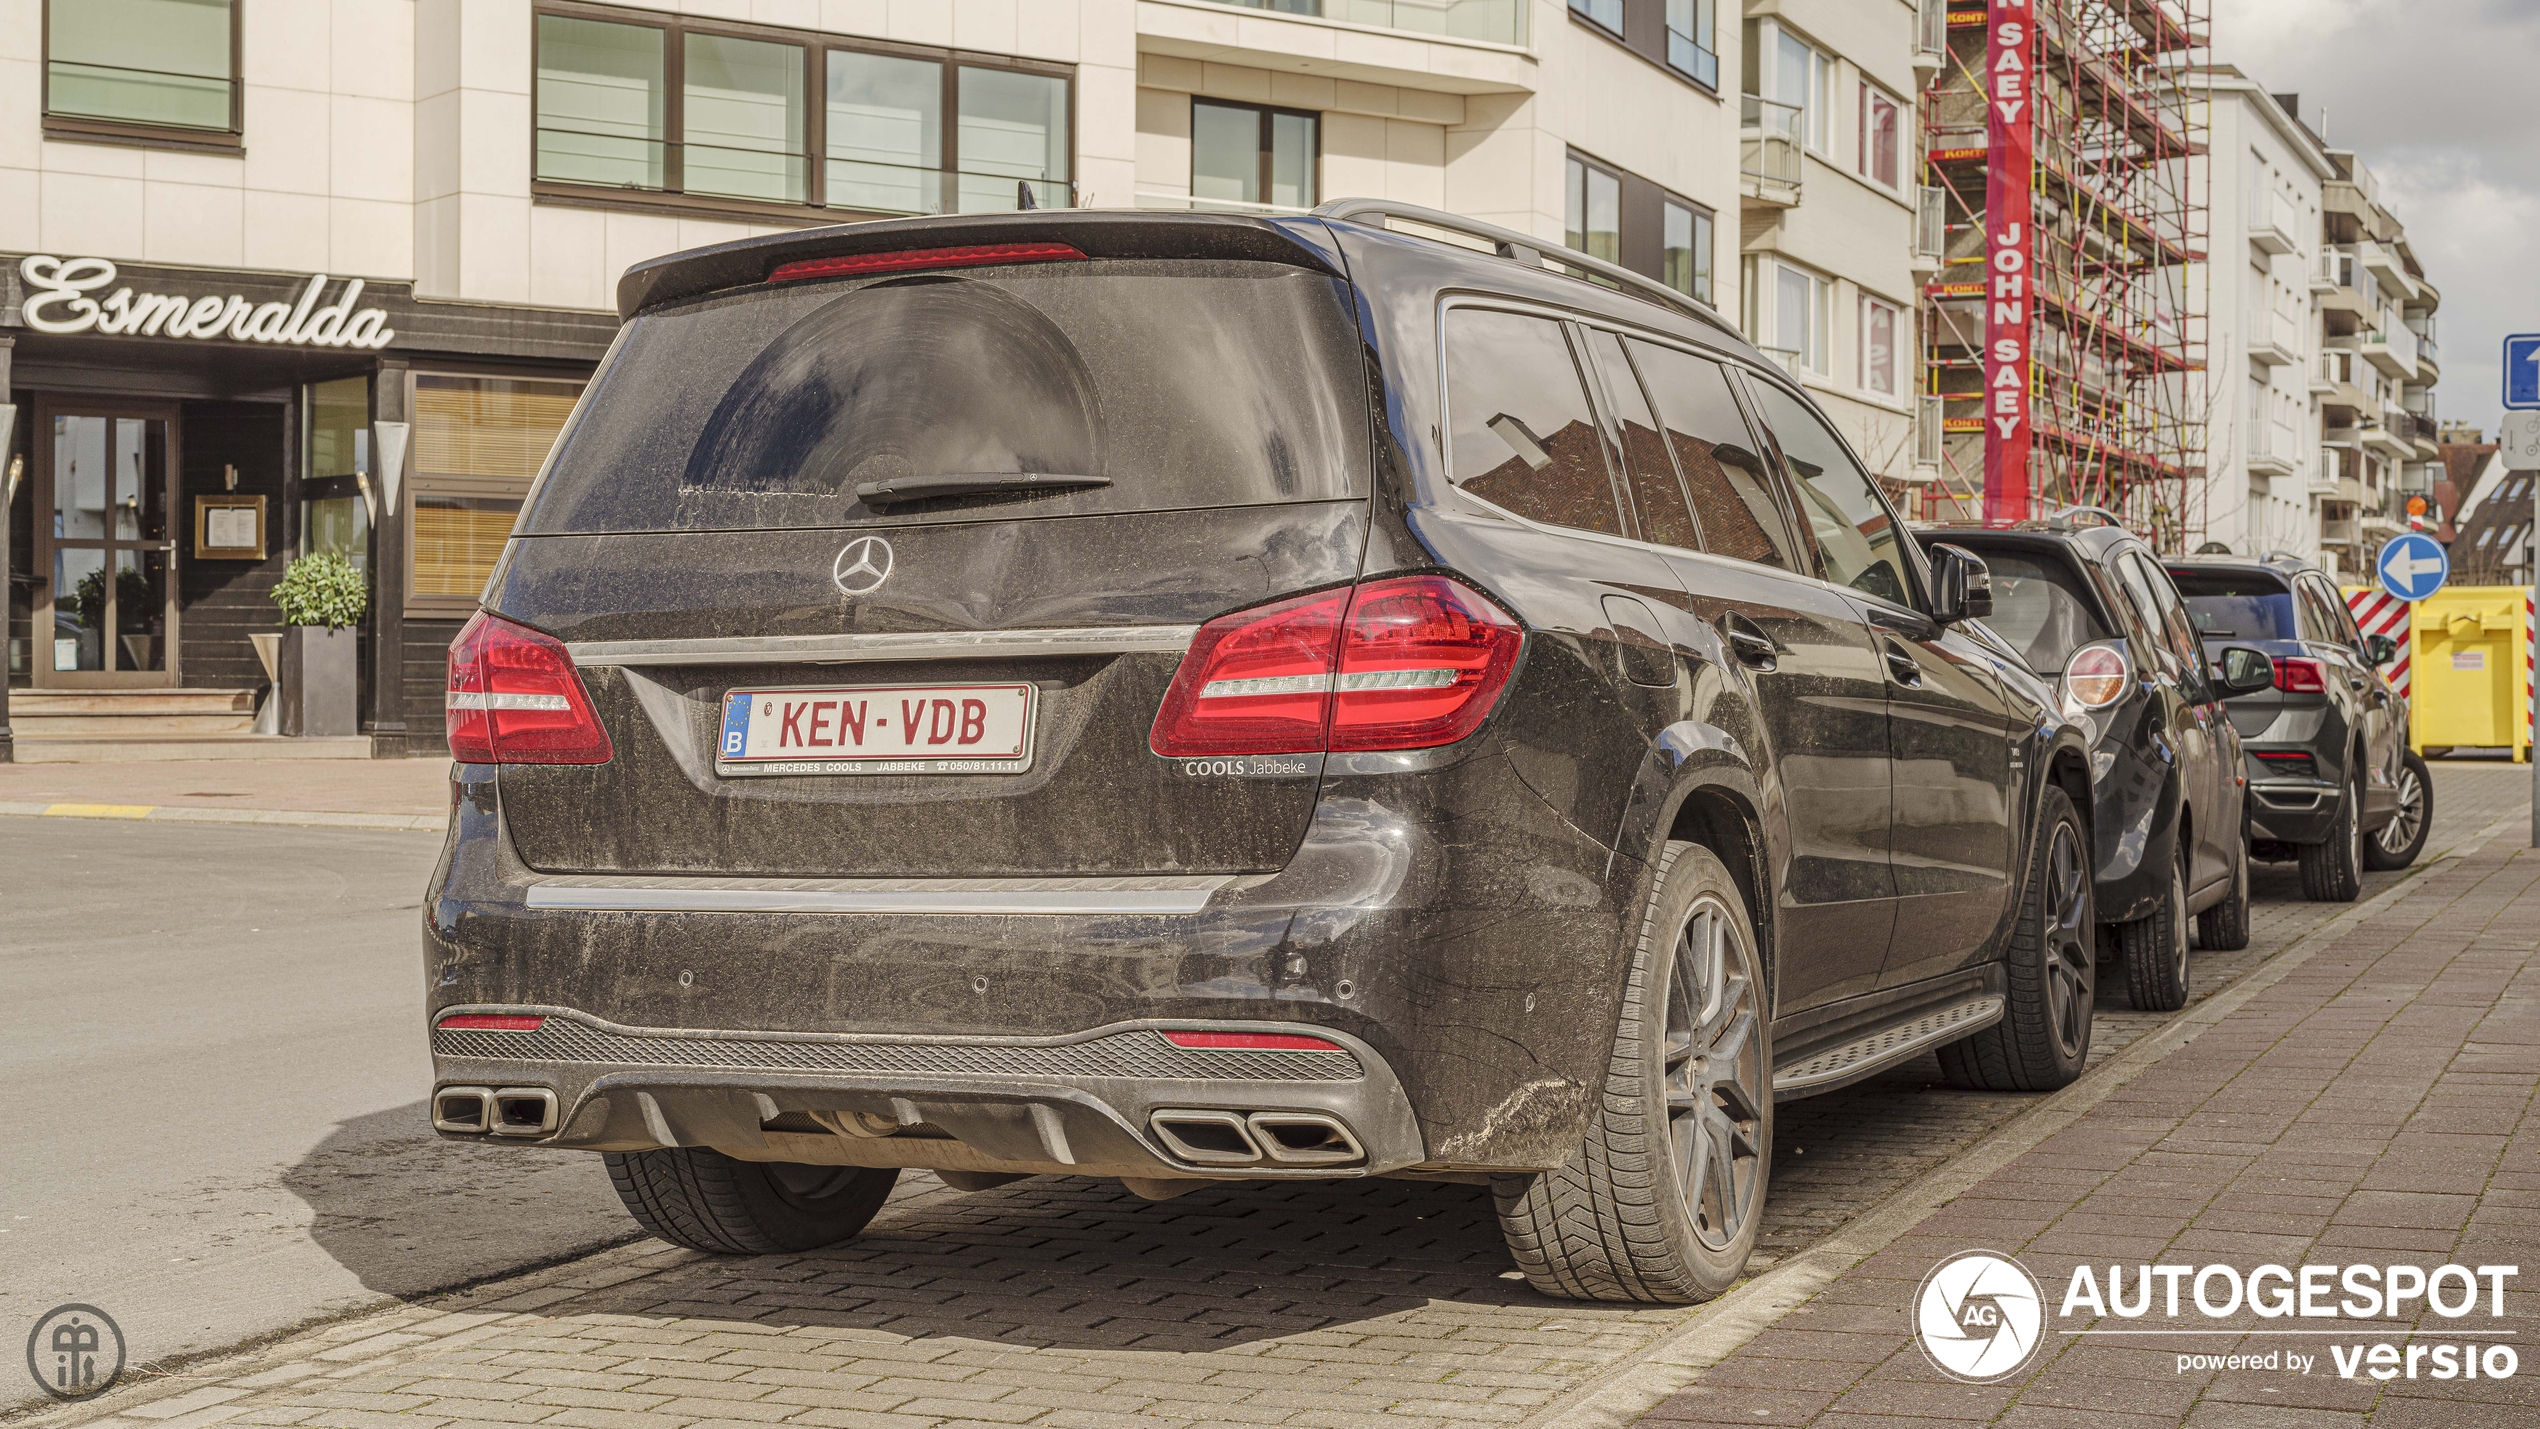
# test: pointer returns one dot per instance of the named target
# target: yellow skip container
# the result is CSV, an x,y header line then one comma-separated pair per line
x,y
2469,670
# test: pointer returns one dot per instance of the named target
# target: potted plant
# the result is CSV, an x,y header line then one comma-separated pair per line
x,y
322,598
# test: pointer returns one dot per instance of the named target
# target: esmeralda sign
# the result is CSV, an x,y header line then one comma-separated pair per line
x,y
61,297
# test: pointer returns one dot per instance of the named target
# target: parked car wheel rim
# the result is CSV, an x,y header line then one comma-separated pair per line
x,y
1714,1075
2398,835
2070,945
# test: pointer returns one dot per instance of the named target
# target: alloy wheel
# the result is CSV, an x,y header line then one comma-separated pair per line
x,y
2401,832
1714,1076
2070,942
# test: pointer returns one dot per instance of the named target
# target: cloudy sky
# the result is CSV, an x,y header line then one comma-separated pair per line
x,y
2435,96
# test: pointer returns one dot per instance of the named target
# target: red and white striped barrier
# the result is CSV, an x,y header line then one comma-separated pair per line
x,y
2378,612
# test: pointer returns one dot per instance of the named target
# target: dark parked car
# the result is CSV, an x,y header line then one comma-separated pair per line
x,y
2087,600
2333,783
1188,697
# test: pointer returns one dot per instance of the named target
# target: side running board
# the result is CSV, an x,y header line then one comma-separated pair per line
x,y
1882,1049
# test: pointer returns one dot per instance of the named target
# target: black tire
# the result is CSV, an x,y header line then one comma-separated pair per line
x,y
699,1198
2224,928
2156,947
1618,1222
2043,1038
2333,869
2403,838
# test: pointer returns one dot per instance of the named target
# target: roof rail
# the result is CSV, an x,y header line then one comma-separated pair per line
x,y
2061,519
1525,249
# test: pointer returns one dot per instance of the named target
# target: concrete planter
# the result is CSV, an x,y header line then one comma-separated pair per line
x,y
321,682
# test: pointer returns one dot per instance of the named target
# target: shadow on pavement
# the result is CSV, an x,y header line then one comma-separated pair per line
x,y
409,1213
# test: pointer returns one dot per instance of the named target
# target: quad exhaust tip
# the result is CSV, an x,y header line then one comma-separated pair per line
x,y
478,1111
1286,1138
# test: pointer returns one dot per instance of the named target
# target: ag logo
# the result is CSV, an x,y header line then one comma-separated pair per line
x,y
862,565
1978,1316
75,1351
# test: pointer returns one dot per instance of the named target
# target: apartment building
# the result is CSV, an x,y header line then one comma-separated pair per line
x,y
2267,183
1827,199
2379,363
279,276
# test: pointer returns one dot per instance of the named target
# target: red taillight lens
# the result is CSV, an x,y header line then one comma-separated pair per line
x,y
1422,663
1405,663
977,255
1246,1041
481,1023
2095,676
515,698
2297,676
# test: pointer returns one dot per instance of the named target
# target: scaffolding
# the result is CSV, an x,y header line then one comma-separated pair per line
x,y
2113,330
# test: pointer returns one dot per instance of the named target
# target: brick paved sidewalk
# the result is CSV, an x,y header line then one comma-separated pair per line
x,y
2373,1105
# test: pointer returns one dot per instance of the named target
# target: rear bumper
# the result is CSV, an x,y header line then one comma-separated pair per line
x,y
2293,811
1085,1104
1440,922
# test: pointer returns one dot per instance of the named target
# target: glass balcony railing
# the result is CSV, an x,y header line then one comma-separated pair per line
x,y
642,164
1501,22
1768,149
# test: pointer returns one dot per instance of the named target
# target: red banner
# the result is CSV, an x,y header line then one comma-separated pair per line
x,y
2010,54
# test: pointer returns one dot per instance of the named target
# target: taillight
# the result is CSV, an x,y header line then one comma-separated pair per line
x,y
1249,1042
2287,761
1404,663
2297,676
515,698
480,1022
2095,676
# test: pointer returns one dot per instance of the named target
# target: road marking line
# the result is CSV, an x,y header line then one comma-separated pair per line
x,y
98,811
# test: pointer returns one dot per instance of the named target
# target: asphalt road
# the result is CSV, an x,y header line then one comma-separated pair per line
x,y
212,1072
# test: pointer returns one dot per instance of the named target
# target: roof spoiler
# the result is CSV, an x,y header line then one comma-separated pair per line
x,y
1519,248
1097,234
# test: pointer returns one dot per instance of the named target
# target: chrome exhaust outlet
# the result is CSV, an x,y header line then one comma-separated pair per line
x,y
468,1111
1304,1138
1206,1138
523,1111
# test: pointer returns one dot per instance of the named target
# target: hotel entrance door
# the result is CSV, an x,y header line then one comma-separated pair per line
x,y
105,548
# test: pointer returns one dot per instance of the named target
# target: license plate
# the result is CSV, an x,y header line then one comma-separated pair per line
x,y
878,729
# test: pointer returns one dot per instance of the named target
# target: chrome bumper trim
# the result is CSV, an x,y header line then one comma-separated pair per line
x,y
852,649
623,894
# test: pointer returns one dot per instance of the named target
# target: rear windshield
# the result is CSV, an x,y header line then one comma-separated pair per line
x,y
1183,383
2041,607
2237,605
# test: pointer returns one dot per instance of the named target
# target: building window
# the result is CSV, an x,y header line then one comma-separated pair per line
x,y
1595,222
1247,156
669,113
334,516
477,443
1789,314
1801,76
1690,30
1686,248
1882,326
143,69
1882,127
1607,13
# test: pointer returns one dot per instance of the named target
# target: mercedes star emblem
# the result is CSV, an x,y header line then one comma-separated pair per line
x,y
862,565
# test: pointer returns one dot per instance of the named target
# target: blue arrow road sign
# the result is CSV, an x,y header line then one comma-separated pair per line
x,y
2522,370
2413,566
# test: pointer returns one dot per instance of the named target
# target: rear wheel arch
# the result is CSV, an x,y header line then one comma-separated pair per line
x,y
1721,820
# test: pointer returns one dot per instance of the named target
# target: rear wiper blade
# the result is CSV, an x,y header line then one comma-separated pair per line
x,y
971,483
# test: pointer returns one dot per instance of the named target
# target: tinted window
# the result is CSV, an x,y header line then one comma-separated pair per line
x,y
2313,618
2152,643
2176,630
1523,435
2339,617
2041,607
1738,515
1656,498
1855,536
1186,384
2237,605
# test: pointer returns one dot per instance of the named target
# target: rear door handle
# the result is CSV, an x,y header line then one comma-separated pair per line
x,y
1902,664
1749,643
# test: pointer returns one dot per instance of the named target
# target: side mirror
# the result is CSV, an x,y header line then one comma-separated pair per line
x,y
1961,585
2243,671
2380,650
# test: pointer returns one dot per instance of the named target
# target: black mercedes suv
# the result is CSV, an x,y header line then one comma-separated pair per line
x,y
1189,697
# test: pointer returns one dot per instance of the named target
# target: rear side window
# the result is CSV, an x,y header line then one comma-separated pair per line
x,y
1656,498
2237,606
1182,383
1855,535
2174,626
2339,617
2041,607
1522,435
1737,512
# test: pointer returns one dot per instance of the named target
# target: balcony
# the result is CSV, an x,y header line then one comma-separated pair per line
x,y
2384,264
2271,448
2274,340
1443,46
2429,358
2272,225
1769,154
2392,349
1931,34
2386,440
